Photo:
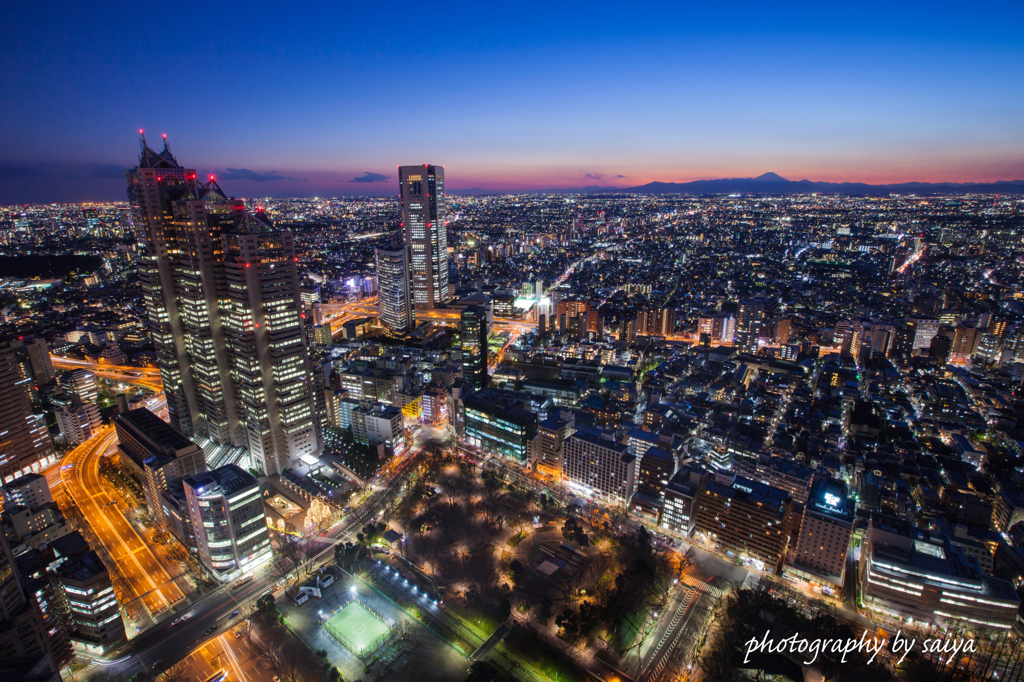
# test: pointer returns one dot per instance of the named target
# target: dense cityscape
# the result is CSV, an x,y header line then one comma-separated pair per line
x,y
533,437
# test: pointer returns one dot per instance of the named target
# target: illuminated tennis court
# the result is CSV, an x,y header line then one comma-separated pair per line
x,y
358,630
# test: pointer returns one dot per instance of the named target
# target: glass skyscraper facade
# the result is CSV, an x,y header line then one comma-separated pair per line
x,y
426,232
394,291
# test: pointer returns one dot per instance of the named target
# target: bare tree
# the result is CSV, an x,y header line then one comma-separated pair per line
x,y
292,552
177,672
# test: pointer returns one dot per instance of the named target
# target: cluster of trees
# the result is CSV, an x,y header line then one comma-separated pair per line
x,y
296,554
371,533
287,657
617,606
573,531
348,555
750,613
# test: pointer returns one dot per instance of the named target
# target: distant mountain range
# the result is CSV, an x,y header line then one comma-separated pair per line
x,y
772,183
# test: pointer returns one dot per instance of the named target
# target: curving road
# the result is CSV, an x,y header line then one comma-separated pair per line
x,y
135,560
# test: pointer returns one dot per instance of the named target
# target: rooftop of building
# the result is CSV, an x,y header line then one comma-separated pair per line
x,y
686,481
22,481
657,453
604,443
829,497
82,567
69,545
504,404
378,409
648,436
744,489
224,481
154,429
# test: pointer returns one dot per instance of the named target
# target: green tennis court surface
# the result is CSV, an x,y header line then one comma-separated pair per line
x,y
357,628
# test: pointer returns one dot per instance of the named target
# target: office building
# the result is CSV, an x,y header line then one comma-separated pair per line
x,y
323,335
36,354
657,465
495,422
421,189
226,513
394,290
157,454
680,498
553,432
25,443
96,623
377,424
30,490
824,537
221,290
600,468
906,572
923,330
746,519
80,383
30,527
77,421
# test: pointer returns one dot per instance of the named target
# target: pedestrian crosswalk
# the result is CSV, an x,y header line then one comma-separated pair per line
x,y
690,581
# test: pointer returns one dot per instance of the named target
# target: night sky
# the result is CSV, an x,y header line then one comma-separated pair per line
x,y
286,100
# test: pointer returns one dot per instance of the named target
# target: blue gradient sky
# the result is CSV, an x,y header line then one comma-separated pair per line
x,y
507,97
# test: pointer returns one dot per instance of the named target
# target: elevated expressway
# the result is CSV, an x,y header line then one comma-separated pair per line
x,y
77,475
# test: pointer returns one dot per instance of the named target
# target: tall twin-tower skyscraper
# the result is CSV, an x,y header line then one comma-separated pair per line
x,y
221,289
414,276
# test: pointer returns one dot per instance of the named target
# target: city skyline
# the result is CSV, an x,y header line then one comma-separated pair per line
x,y
569,99
517,343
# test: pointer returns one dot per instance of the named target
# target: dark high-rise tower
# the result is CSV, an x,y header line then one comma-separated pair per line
x,y
426,233
221,289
